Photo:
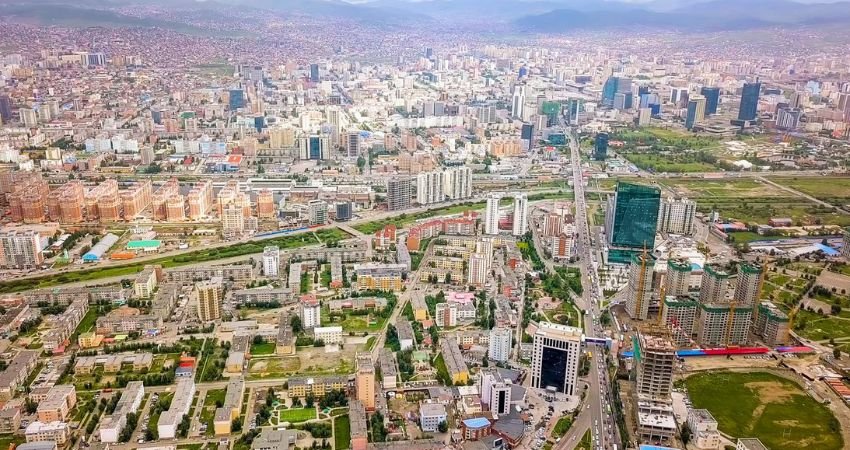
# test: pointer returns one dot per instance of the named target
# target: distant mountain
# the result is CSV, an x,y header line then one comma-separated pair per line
x,y
704,15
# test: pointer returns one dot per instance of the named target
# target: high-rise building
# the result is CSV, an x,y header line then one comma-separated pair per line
x,y
457,183
265,204
677,216
495,392
772,324
210,296
677,280
343,211
232,221
748,285
714,286
520,215
712,99
749,101
679,314
311,313
28,117
429,187
477,267
398,193
655,359
631,220
600,147
236,99
365,380
318,212
696,111
613,86
5,109
639,289
271,261
281,137
200,200
679,96
555,357
20,249
314,73
352,144
500,344
315,147
491,214
788,118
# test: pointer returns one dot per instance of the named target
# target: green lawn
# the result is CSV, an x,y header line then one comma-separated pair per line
x,y
765,406
816,327
86,324
831,189
17,439
264,348
404,219
360,323
668,163
297,414
562,426
208,412
197,256
342,432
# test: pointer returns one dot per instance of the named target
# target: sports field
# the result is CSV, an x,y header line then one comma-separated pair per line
x,y
763,405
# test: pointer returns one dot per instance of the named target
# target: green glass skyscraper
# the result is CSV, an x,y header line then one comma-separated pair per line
x,y
631,220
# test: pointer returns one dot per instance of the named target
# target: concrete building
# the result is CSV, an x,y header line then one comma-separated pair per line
x,y
457,183
311,313
500,344
275,439
704,434
300,387
748,285
455,364
771,324
406,335
210,297
384,277
520,226
57,404
20,249
723,324
491,214
431,415
364,380
429,187
57,432
677,279
131,399
477,269
680,316
389,374
359,425
184,392
677,216
271,261
845,240
714,285
17,372
317,212
555,357
329,335
639,289
398,193
146,281
750,444
495,392
655,358
230,410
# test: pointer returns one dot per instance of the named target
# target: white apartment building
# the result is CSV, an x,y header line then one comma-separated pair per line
x,y
520,215
457,183
271,261
491,214
500,344
431,415
329,335
477,268
180,404
676,216
429,187
311,313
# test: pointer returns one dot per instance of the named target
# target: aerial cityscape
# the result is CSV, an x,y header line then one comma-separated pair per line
x,y
424,225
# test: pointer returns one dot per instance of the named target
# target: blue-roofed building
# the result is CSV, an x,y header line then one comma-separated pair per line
x,y
656,447
99,249
475,428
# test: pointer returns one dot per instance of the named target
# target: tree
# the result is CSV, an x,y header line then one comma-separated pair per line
x,y
295,323
835,310
836,353
686,434
443,427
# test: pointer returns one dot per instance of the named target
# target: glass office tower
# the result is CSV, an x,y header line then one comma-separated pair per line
x,y
631,220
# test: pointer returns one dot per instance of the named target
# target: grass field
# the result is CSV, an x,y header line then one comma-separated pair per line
x,y
197,256
213,397
561,427
264,348
667,163
297,414
342,432
819,328
835,190
6,439
273,367
767,407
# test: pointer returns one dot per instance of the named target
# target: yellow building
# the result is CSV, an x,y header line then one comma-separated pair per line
x,y
300,387
225,415
420,307
365,381
89,340
384,277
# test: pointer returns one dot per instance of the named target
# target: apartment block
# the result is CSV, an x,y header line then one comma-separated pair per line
x,y
455,364
20,249
300,387
364,380
57,404
771,324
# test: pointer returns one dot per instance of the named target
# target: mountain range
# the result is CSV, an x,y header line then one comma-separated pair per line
x,y
511,15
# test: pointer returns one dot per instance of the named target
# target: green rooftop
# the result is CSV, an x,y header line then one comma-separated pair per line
x,y
135,245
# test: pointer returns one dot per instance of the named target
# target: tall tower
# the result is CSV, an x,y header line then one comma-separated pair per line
x,y
715,283
210,296
749,101
559,346
520,215
748,287
678,277
639,289
365,380
491,214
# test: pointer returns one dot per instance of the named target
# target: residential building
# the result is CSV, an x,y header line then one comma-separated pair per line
x,y
431,415
704,433
455,364
300,387
329,335
184,392
555,357
771,324
210,297
389,374
680,316
406,336
359,425
655,358
317,211
520,226
59,401
639,290
17,372
146,281
477,269
445,315
750,444
385,277
225,415
364,380
429,187
57,432
677,216
495,392
491,214
398,193
311,316
20,249
500,344
457,182
271,261
112,424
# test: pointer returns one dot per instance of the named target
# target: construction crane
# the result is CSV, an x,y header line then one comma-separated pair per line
x,y
641,284
729,321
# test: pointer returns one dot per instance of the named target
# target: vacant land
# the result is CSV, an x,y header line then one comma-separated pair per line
x,y
273,367
194,257
765,406
835,190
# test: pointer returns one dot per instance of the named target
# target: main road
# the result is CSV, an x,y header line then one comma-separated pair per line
x,y
594,413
